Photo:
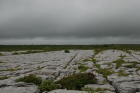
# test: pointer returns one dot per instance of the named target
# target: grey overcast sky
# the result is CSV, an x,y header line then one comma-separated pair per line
x,y
69,21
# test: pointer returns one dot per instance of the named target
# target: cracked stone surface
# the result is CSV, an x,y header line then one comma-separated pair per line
x,y
55,65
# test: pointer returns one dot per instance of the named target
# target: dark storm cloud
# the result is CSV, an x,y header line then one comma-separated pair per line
x,y
22,19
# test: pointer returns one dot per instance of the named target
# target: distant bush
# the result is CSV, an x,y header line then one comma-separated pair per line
x,y
48,85
30,79
67,51
77,81
15,53
1,54
30,52
47,49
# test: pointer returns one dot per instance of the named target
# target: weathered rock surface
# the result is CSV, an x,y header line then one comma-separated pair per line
x,y
55,65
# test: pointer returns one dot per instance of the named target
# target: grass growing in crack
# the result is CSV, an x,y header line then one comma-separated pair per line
x,y
104,72
11,69
77,81
39,68
121,73
90,90
119,62
105,82
2,78
30,79
82,68
134,65
109,64
98,66
98,50
94,60
138,68
122,56
85,60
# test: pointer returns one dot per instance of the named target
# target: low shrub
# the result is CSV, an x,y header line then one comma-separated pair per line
x,y
30,79
48,85
67,51
77,81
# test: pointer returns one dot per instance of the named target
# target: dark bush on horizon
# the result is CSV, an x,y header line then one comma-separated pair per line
x,y
67,51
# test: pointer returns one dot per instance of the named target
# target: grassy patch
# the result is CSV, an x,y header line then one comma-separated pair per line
x,y
121,73
94,60
85,60
119,62
105,82
127,51
138,68
107,64
98,66
122,56
2,78
104,72
39,68
11,69
82,68
2,62
77,81
30,79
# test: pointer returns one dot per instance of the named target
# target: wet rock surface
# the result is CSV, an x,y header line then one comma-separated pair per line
x,y
112,76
